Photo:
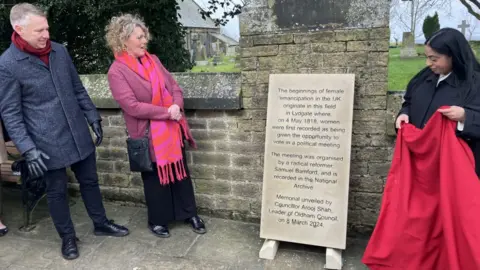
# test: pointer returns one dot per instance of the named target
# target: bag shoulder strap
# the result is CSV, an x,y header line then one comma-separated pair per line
x,y
146,131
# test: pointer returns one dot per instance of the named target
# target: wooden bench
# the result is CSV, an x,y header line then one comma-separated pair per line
x,y
30,199
6,173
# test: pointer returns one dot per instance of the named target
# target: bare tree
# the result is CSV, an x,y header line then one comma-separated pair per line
x,y
410,13
473,7
472,22
229,9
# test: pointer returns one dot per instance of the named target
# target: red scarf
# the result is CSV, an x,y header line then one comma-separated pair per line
x,y
429,215
24,46
167,134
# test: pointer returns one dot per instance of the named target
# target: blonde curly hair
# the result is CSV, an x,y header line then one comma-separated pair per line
x,y
120,28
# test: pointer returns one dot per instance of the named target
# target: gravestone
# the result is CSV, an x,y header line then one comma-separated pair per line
x,y
408,46
193,50
201,55
216,59
307,162
238,61
463,26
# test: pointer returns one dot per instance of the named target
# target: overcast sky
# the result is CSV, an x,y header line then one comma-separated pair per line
x,y
449,16
232,29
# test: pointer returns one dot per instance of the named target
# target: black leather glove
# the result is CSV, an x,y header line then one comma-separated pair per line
x,y
97,129
35,164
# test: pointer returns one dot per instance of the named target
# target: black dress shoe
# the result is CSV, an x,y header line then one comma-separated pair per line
x,y
3,231
110,229
198,225
69,248
159,230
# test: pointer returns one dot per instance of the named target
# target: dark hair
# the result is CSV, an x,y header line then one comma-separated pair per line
x,y
451,42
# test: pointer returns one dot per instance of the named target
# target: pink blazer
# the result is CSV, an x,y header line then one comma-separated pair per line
x,y
134,95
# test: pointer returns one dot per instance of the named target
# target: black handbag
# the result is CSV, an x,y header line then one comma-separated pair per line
x,y
139,154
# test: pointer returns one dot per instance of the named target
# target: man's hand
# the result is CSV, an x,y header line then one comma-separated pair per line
x,y
175,113
97,129
454,113
35,164
402,118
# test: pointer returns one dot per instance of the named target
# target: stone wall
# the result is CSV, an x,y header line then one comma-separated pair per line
x,y
227,168
328,37
227,112
228,164
394,103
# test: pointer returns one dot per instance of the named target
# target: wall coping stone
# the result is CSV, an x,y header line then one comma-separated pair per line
x,y
396,92
202,91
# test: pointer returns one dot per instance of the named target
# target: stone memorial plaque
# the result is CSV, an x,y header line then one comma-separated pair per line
x,y
307,159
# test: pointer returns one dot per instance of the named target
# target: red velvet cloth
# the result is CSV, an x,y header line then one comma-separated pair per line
x,y
429,218
23,45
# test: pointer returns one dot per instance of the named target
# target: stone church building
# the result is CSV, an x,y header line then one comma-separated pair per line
x,y
203,39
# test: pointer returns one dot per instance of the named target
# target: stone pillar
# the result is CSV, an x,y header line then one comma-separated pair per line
x,y
319,36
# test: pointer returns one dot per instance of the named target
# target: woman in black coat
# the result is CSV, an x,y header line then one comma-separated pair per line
x,y
451,78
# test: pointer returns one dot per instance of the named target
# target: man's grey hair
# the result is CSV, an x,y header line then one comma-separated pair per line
x,y
20,13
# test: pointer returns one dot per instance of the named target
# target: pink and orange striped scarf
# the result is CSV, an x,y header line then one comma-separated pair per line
x,y
166,135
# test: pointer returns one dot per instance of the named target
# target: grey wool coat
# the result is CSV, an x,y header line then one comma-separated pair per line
x,y
46,107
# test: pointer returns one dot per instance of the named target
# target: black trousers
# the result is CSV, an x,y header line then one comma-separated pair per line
x,y
86,174
175,201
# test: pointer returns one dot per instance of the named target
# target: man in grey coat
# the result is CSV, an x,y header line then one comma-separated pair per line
x,y
47,113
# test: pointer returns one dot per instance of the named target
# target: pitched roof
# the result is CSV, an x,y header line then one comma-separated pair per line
x,y
191,17
230,41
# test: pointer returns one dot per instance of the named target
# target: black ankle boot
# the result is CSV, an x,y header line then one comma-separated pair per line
x,y
197,224
69,248
3,231
110,229
159,230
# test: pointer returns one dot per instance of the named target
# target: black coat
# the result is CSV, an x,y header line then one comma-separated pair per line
x,y
423,98
46,107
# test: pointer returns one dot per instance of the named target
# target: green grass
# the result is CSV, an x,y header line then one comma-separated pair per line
x,y
225,65
400,71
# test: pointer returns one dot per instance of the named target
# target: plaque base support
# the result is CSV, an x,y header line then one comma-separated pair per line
x,y
269,249
333,259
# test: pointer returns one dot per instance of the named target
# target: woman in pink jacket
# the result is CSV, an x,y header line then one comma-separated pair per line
x,y
152,105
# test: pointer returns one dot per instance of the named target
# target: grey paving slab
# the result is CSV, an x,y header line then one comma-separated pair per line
x,y
17,267
11,250
13,207
227,245
238,244
122,215
150,261
286,259
177,245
